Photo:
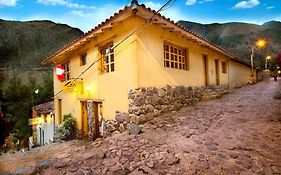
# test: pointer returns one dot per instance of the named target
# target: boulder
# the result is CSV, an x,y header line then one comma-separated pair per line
x,y
122,117
134,129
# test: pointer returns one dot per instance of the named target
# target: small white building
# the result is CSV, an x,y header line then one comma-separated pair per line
x,y
43,122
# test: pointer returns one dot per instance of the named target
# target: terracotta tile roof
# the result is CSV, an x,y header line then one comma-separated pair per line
x,y
45,108
88,35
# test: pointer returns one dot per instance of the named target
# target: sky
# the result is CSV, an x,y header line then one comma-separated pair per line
x,y
86,14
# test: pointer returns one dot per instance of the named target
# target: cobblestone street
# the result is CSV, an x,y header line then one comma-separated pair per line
x,y
237,134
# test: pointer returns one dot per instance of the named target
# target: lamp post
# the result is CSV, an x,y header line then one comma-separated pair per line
x,y
259,44
267,58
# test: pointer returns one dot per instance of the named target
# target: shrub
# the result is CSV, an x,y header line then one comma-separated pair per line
x,y
66,130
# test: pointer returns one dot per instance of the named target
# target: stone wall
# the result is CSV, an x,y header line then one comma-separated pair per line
x,y
146,103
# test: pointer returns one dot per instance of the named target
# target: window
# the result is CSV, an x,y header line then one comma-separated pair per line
x,y
107,62
223,65
66,73
175,57
83,59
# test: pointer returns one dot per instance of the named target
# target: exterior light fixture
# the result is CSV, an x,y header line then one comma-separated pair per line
x,y
267,58
260,43
88,88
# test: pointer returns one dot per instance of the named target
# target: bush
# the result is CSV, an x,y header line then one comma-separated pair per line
x,y
66,130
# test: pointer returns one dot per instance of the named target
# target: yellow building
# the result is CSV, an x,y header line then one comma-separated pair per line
x,y
135,48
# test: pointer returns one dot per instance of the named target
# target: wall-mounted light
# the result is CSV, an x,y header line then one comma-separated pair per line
x,y
88,88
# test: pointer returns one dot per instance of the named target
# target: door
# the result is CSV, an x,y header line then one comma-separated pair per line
x,y
206,70
84,118
59,112
217,72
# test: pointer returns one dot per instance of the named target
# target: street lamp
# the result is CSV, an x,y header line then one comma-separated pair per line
x,y
267,58
259,44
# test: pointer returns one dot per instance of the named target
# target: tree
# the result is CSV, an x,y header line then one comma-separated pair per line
x,y
17,102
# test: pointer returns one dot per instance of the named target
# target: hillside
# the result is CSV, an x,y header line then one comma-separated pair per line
x,y
238,38
23,45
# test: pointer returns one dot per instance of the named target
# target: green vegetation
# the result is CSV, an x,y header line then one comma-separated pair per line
x,y
66,130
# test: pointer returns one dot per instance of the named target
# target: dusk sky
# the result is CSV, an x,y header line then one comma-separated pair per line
x,y
86,14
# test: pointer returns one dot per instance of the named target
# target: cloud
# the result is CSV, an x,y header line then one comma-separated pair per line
x,y
8,3
65,3
190,2
246,4
152,5
205,1
80,13
269,7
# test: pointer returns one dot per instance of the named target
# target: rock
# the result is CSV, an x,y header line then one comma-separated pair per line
x,y
205,164
116,167
110,128
115,132
201,156
149,108
233,155
134,129
122,117
143,170
173,160
139,101
43,164
150,164
149,116
25,171
144,155
212,147
101,155
90,172
161,92
73,169
267,170
245,161
133,118
142,119
122,128
79,172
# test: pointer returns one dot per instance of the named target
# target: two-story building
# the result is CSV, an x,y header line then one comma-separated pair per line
x,y
135,48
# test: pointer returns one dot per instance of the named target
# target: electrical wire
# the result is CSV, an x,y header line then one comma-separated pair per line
x,y
127,2
141,26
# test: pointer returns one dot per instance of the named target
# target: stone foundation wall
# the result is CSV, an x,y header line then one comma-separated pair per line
x,y
146,103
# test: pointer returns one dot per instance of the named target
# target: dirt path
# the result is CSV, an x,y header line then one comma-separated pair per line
x,y
238,134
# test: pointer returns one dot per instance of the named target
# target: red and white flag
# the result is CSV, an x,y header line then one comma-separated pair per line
x,y
59,71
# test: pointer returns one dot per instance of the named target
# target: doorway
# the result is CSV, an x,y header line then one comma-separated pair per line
x,y
91,118
60,119
217,72
206,70
84,118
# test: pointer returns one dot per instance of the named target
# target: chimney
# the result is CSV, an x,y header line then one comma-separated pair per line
x,y
134,4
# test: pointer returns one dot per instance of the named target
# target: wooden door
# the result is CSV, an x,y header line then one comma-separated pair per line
x,y
84,118
59,118
217,72
206,70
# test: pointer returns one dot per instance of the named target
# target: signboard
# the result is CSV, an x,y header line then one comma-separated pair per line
x,y
35,121
74,85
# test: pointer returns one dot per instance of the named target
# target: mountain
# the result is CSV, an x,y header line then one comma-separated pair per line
x,y
23,45
238,38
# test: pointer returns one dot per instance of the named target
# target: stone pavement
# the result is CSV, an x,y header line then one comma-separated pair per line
x,y
238,134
